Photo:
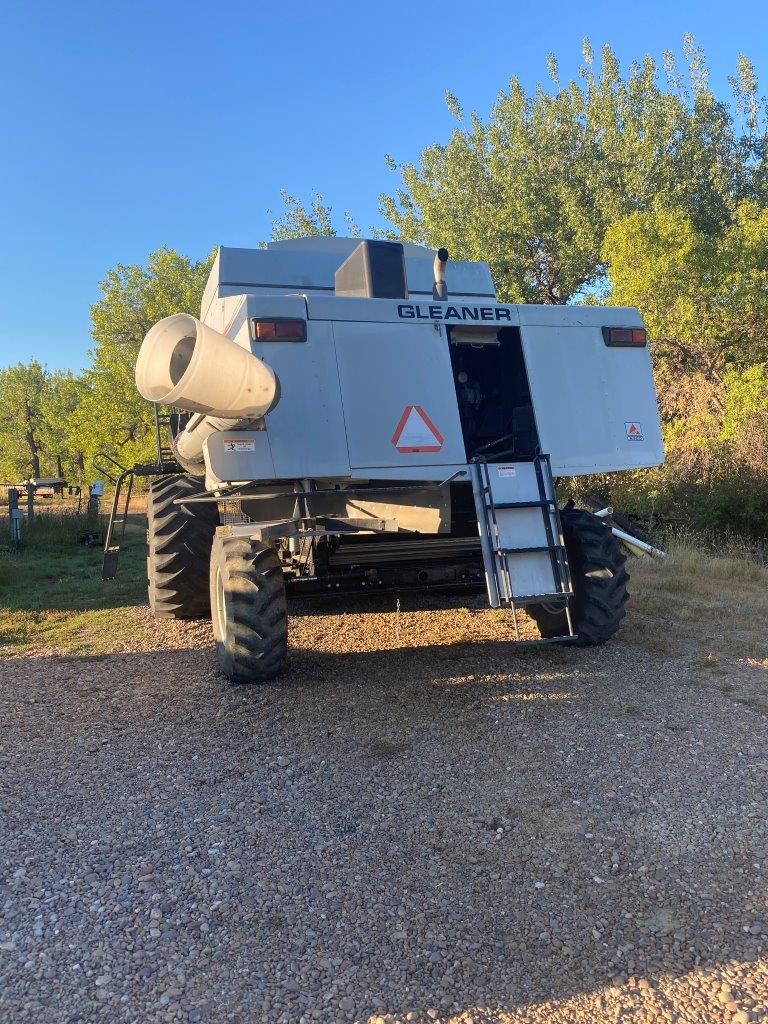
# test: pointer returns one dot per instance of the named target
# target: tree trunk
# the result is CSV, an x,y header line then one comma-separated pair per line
x,y
34,447
59,468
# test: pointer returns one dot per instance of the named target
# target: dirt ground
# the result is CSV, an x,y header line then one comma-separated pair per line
x,y
420,822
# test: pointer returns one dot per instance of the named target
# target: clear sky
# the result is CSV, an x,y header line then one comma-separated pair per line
x,y
130,126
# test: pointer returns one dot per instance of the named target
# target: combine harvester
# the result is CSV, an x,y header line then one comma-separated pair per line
x,y
356,417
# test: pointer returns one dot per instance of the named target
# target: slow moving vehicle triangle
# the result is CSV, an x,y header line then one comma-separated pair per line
x,y
416,432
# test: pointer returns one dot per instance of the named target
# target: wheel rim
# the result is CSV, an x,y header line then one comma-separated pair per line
x,y
221,608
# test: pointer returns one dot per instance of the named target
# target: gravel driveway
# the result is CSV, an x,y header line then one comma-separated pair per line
x,y
451,831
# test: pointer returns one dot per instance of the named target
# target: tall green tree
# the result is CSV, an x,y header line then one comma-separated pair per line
x,y
703,294
23,389
533,188
60,424
111,415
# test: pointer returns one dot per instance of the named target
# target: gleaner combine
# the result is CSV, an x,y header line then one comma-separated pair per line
x,y
353,417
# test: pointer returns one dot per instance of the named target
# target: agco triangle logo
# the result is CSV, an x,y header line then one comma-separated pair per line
x,y
416,432
634,431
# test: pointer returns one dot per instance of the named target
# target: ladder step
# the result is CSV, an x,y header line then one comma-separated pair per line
x,y
528,551
109,563
523,504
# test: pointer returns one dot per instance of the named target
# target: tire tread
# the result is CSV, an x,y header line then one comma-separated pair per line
x,y
179,544
597,607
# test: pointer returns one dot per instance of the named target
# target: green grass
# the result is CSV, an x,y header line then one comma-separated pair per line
x,y
51,592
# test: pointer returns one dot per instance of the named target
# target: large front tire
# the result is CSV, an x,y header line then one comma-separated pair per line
x,y
179,542
599,582
248,609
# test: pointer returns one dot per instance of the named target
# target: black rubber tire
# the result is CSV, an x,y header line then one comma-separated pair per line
x,y
179,542
599,579
248,609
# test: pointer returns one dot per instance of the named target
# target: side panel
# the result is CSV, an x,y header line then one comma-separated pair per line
x,y
595,406
306,427
237,455
386,370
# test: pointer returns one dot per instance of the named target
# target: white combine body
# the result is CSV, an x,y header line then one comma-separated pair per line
x,y
366,416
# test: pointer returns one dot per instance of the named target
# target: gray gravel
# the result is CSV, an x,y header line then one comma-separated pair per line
x,y
454,831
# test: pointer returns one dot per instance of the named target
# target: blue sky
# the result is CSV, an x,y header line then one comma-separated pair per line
x,y
130,126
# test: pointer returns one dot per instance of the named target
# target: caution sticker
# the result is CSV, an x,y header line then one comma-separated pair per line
x,y
634,431
506,470
415,432
236,444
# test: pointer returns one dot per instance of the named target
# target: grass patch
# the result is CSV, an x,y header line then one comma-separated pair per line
x,y
732,582
51,592
708,604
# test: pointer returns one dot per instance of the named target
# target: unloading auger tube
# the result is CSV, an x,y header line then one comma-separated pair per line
x,y
186,364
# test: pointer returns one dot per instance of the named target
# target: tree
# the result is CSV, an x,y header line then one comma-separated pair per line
x,y
22,391
110,414
534,189
704,299
60,424
703,296
299,221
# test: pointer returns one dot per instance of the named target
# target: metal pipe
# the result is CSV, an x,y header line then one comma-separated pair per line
x,y
439,288
641,545
633,542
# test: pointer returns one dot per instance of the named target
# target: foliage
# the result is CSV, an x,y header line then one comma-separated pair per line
x,y
704,299
703,295
111,415
534,188
299,221
23,392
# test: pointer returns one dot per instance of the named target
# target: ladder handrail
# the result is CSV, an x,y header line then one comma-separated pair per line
x,y
495,554
113,516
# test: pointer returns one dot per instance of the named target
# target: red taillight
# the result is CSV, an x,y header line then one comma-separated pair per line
x,y
627,337
279,329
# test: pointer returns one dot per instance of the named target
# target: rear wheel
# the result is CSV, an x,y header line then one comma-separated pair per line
x,y
599,582
248,609
179,541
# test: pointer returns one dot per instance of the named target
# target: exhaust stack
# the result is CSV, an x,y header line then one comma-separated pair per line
x,y
184,363
439,288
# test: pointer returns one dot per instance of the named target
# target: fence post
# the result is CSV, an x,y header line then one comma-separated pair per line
x,y
94,494
30,502
15,514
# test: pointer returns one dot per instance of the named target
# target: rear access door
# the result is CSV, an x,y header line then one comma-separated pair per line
x,y
595,402
398,397
518,521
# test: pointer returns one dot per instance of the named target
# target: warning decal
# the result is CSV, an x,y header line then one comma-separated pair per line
x,y
235,444
416,432
634,431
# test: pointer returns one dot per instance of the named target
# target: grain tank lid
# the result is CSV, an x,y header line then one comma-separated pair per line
x,y
310,264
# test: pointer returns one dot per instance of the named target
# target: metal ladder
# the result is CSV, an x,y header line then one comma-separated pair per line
x,y
123,477
118,516
521,536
